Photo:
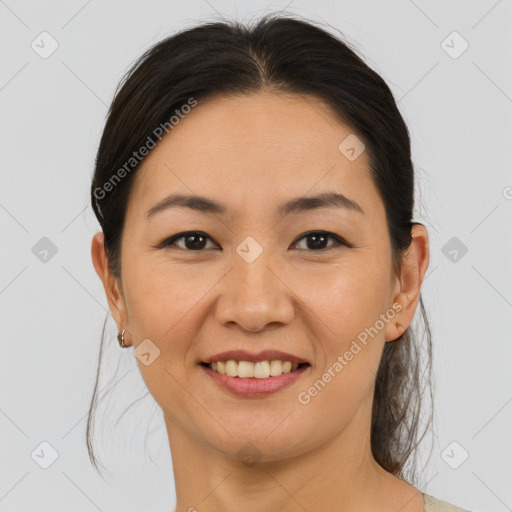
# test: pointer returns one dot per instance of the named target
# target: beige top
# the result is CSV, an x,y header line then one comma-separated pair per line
x,y
434,505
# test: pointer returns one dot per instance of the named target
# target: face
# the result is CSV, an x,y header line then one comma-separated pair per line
x,y
307,282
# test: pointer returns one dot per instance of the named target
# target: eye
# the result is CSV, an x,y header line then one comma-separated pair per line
x,y
197,241
318,239
193,240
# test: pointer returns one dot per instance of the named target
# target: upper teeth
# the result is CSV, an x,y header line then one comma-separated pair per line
x,y
259,370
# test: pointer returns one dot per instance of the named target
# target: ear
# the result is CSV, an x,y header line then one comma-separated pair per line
x,y
408,285
110,282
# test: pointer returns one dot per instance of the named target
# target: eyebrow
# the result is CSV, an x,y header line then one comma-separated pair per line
x,y
297,205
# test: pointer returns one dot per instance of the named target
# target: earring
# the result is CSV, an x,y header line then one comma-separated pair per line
x,y
120,339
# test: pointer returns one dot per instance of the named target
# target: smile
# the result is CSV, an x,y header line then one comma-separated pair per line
x,y
257,370
241,378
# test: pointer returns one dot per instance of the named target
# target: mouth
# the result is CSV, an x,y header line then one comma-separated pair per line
x,y
258,370
254,380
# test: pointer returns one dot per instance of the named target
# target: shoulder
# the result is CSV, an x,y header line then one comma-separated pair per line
x,y
434,505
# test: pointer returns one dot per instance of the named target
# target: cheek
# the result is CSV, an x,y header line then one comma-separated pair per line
x,y
155,283
347,298
348,308
155,297
168,303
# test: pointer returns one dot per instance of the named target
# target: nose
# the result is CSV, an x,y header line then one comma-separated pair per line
x,y
255,295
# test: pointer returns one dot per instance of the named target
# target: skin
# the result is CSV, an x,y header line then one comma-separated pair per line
x,y
253,153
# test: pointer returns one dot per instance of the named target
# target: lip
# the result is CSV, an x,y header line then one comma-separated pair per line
x,y
264,355
253,387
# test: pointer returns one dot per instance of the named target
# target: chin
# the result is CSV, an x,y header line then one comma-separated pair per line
x,y
264,445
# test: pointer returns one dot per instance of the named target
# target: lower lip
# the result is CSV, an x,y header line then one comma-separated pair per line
x,y
252,387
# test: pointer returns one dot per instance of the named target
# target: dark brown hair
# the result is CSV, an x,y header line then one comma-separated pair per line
x,y
283,54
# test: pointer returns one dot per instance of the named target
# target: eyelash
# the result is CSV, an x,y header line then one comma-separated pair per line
x,y
339,241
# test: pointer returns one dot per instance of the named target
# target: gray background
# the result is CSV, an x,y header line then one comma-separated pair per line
x,y
457,106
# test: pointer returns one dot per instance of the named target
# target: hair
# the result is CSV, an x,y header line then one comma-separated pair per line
x,y
281,54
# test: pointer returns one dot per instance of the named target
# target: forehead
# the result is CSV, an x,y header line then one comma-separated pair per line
x,y
262,146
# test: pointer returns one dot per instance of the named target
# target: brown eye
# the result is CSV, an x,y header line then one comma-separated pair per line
x,y
197,241
192,240
316,240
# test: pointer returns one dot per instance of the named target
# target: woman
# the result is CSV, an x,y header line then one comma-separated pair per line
x,y
254,187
